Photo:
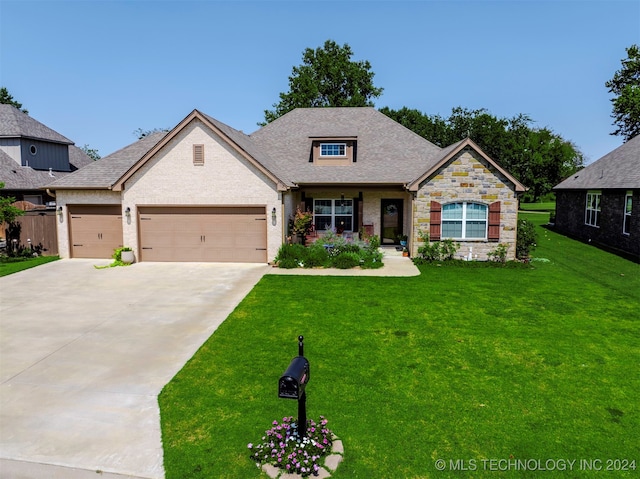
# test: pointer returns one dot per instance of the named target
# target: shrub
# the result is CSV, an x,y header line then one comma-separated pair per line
x,y
437,251
371,259
499,254
526,239
316,255
346,260
291,256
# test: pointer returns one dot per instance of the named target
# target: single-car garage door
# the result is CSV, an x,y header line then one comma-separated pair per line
x,y
210,234
95,230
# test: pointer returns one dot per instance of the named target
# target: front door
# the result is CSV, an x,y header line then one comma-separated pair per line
x,y
391,221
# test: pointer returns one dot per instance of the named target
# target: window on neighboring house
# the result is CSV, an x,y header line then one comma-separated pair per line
x,y
628,203
464,221
337,214
333,149
592,211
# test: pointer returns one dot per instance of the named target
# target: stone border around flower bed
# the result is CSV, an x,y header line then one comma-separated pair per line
x,y
331,463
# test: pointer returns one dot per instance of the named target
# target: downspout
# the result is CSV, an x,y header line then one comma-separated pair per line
x,y
50,193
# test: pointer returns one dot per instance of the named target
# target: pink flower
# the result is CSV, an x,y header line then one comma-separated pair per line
x,y
250,445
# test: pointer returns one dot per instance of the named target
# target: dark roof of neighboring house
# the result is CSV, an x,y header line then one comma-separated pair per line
x,y
17,177
618,169
105,172
16,124
387,152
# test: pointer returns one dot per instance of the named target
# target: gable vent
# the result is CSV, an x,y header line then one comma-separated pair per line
x,y
198,155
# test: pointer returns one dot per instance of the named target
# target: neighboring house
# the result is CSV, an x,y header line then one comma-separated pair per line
x,y
600,204
31,156
207,192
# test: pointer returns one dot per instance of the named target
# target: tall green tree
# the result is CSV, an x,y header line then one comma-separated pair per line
x,y
7,99
327,77
625,85
537,157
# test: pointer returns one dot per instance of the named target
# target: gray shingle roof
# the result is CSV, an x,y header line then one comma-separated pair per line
x,y
104,172
16,177
619,168
387,151
15,124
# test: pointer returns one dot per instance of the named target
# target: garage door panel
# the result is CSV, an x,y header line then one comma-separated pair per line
x,y
95,230
211,234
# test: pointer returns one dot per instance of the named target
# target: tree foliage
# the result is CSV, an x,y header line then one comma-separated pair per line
x,y
91,152
625,85
8,212
7,99
537,157
327,77
140,133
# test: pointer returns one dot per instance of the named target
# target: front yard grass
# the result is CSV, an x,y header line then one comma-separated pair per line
x,y
14,265
457,364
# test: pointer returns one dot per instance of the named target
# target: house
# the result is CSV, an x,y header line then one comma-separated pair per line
x,y
207,192
599,204
31,156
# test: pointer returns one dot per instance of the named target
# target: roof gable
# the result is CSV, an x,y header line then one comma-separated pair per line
x,y
16,124
451,151
619,168
236,139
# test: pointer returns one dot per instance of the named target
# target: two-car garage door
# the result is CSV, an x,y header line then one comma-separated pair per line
x,y
199,234
208,234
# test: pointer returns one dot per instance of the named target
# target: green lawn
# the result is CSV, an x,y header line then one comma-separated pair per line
x,y
13,265
460,364
544,207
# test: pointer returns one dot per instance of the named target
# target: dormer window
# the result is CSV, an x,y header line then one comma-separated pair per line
x,y
336,151
333,149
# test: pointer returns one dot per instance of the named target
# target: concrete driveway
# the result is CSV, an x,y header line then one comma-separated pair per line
x,y
84,354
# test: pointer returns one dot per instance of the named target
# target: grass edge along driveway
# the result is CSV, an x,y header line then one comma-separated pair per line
x,y
465,364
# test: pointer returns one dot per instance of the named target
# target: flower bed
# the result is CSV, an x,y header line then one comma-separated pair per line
x,y
283,448
332,251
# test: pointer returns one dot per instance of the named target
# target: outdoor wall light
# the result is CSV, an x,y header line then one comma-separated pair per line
x,y
273,214
127,212
59,211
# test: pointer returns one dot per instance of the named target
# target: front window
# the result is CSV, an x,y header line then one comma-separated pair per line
x,y
333,214
464,221
592,213
628,203
333,149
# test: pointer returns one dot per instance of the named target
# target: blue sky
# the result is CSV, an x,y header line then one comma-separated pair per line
x,y
95,71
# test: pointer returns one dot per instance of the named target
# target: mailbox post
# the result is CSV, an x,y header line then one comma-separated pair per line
x,y
292,385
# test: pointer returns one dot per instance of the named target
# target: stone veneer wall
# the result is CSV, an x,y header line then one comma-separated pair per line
x,y
469,177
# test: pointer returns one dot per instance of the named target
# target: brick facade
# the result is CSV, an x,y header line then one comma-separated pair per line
x,y
570,219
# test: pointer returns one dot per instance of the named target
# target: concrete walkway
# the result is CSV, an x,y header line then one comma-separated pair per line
x,y
84,354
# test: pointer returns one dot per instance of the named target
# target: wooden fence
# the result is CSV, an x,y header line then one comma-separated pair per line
x,y
39,226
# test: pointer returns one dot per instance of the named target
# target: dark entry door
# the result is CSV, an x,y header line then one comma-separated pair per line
x,y
391,221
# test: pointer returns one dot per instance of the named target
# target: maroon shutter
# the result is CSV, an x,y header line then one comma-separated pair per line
x,y
494,221
435,221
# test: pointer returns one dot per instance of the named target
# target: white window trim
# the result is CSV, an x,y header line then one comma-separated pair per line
x,y
343,145
626,219
333,214
464,221
595,217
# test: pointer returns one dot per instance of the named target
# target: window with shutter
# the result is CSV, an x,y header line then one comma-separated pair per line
x,y
435,221
198,155
494,222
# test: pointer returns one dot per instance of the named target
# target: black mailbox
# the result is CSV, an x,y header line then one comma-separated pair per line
x,y
294,379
